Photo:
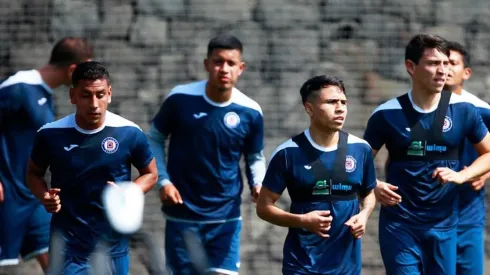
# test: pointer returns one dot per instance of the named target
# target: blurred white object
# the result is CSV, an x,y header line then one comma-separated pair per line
x,y
124,203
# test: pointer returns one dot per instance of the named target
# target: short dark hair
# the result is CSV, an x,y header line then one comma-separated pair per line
x,y
225,41
419,43
71,50
314,85
91,70
457,47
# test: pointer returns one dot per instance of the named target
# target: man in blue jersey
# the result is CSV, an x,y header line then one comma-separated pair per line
x,y
423,131
471,219
85,152
210,124
26,104
329,175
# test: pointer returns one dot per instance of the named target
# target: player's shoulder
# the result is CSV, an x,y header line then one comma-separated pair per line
x,y
473,99
117,121
196,88
390,105
30,77
62,123
358,142
287,145
239,98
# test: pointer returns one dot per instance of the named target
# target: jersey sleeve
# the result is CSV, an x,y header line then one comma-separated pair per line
x,y
40,154
275,176
485,115
165,119
369,173
476,130
11,101
255,140
141,154
375,131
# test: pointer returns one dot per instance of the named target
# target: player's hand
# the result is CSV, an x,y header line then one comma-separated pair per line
x,y
385,193
318,222
357,224
51,200
170,195
446,175
256,192
2,196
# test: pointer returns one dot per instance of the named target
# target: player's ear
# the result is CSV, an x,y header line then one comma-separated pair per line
x,y
410,66
242,68
467,73
71,68
72,95
109,94
206,64
308,108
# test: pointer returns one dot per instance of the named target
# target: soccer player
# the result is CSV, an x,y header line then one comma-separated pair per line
x,y
423,131
471,219
210,124
329,175
85,152
26,104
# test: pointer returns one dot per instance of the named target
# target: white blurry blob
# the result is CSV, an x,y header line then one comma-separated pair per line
x,y
124,203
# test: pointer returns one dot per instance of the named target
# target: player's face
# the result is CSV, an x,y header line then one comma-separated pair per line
x,y
91,98
329,109
224,67
457,72
431,72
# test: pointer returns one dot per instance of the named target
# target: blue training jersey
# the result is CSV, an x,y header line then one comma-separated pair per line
x,y
81,163
207,140
472,203
25,105
290,169
426,203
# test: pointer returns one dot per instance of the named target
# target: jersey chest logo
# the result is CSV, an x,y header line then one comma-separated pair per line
x,y
231,119
448,124
350,164
110,145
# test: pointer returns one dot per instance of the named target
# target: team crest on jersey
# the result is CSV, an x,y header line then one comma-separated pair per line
x,y
231,119
448,124
350,164
110,145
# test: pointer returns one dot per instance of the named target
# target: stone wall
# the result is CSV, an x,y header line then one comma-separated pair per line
x,y
151,45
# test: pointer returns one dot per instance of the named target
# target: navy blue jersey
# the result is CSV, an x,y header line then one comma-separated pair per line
x,y
81,162
25,105
207,140
472,203
290,169
425,202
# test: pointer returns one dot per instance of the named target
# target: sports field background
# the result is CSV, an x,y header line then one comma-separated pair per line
x,y
151,45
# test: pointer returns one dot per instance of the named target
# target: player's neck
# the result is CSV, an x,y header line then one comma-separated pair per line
x,y
324,138
456,89
89,126
216,95
425,100
51,76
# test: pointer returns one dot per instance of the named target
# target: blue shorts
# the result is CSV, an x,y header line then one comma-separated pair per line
x,y
415,251
24,231
470,250
219,242
74,265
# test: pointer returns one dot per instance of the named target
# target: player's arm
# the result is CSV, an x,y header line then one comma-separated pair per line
x,y
36,169
254,156
318,222
143,159
161,127
367,199
375,136
477,133
148,176
273,185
